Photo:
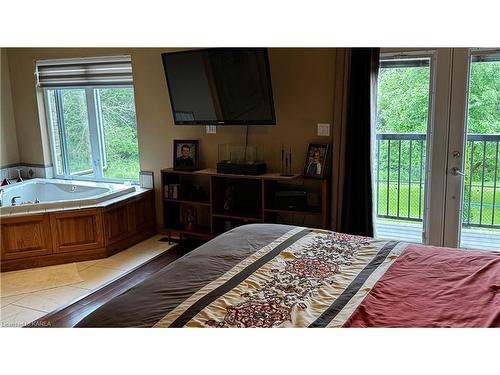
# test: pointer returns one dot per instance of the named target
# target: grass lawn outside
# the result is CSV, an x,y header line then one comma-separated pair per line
x,y
126,169
412,195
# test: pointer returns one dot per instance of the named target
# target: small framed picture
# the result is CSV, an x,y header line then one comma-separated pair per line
x,y
316,160
186,154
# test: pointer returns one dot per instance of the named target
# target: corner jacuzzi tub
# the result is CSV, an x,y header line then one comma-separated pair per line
x,y
66,221
42,194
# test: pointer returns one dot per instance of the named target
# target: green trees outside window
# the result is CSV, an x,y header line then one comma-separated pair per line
x,y
94,132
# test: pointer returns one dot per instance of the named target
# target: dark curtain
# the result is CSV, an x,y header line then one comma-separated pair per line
x,y
356,195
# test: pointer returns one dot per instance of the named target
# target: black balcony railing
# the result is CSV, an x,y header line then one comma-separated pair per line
x,y
481,201
400,175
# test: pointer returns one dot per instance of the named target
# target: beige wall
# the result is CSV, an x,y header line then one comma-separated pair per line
x,y
303,92
9,153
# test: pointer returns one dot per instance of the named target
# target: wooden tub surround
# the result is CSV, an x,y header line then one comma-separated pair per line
x,y
66,236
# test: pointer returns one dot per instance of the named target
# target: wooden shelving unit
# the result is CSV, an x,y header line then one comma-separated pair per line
x,y
205,190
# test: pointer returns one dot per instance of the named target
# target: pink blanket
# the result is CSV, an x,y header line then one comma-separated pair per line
x,y
434,287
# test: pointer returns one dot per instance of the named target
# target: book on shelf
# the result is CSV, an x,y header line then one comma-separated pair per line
x,y
172,191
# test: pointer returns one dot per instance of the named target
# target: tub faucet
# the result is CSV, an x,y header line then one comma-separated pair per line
x,y
13,201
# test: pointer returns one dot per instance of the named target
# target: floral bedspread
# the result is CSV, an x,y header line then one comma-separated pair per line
x,y
305,278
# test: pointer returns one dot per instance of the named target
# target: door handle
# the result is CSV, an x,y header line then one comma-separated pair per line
x,y
456,172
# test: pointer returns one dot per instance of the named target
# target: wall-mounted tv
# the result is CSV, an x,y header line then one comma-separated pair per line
x,y
220,86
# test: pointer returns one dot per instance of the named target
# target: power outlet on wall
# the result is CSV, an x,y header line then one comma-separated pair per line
x,y
211,129
324,130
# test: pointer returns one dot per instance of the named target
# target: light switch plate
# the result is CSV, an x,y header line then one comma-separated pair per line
x,y
211,129
324,130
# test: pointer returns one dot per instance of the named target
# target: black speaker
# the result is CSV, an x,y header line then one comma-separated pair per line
x,y
254,168
290,200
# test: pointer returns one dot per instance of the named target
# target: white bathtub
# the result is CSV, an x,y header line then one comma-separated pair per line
x,y
53,193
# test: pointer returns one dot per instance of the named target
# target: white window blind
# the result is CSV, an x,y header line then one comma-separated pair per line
x,y
405,63
481,57
90,71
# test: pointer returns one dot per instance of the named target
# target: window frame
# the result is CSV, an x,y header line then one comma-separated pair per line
x,y
96,133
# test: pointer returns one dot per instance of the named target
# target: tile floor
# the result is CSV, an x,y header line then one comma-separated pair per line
x,y
18,309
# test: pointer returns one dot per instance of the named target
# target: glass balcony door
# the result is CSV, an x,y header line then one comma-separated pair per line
x,y
473,173
437,148
401,137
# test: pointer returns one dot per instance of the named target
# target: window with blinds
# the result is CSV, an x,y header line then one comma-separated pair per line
x,y
405,63
91,117
91,71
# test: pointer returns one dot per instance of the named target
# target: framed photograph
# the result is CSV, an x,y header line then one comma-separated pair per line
x,y
186,154
316,160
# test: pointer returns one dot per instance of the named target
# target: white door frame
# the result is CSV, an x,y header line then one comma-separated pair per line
x,y
457,140
456,143
437,141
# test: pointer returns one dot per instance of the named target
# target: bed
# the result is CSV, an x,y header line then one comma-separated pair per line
x,y
270,275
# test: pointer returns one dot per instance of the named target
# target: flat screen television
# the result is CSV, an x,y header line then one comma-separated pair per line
x,y
220,86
